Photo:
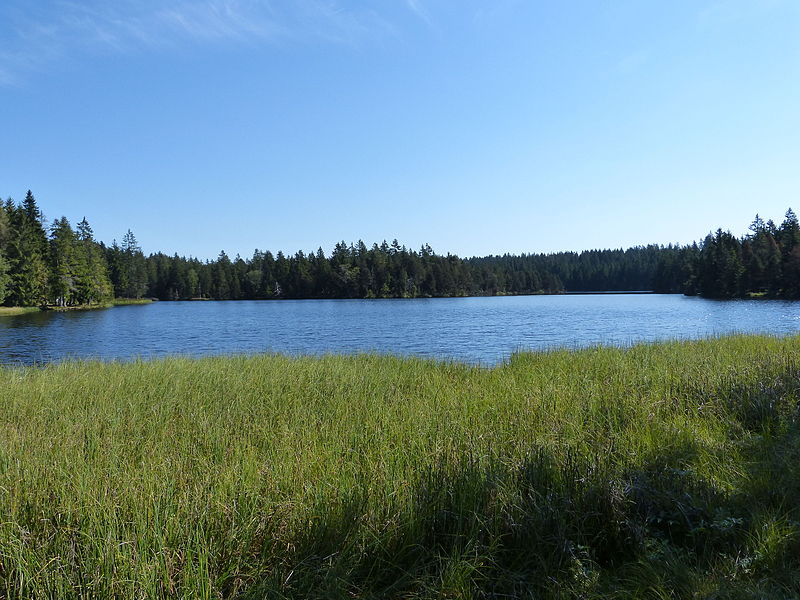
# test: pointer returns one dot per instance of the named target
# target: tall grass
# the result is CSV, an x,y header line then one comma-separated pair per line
x,y
666,470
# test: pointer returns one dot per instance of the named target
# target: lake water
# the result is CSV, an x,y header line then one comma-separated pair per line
x,y
478,330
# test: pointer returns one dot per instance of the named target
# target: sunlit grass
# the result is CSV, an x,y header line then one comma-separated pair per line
x,y
570,474
129,301
11,311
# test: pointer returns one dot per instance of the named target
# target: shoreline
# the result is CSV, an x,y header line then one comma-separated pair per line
x,y
13,311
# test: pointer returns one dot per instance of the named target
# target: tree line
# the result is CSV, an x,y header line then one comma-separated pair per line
x,y
765,263
67,267
64,266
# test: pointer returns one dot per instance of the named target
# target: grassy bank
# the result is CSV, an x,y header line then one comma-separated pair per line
x,y
107,304
12,311
129,301
668,470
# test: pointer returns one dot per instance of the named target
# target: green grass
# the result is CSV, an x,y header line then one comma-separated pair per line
x,y
12,311
129,301
660,471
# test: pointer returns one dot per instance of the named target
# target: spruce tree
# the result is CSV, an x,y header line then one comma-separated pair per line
x,y
193,283
27,255
5,279
5,234
93,281
134,267
63,263
222,276
5,225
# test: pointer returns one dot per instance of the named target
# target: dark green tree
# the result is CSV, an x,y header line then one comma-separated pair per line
x,y
721,273
27,252
64,263
133,267
93,283
5,237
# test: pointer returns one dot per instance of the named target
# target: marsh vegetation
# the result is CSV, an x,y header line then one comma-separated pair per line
x,y
662,470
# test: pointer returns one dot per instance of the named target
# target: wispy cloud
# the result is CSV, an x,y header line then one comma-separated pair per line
x,y
32,38
419,10
221,20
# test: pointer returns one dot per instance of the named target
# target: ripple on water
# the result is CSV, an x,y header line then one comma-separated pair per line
x,y
477,330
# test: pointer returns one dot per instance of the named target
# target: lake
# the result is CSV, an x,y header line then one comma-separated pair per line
x,y
476,330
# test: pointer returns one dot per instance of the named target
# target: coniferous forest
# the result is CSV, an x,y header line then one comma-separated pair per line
x,y
54,264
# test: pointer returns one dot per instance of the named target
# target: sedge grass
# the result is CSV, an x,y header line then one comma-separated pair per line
x,y
662,470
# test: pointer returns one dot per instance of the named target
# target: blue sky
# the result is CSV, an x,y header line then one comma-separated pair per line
x,y
476,126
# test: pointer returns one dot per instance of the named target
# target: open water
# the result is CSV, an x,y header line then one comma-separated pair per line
x,y
476,330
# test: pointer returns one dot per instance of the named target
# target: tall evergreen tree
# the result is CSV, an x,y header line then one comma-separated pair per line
x,y
133,267
5,236
36,218
27,255
5,225
93,283
5,279
722,271
64,263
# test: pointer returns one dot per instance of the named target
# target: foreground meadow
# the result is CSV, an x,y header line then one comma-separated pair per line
x,y
666,470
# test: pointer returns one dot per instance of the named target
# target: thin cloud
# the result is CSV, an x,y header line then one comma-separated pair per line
x,y
329,21
419,10
35,38
221,20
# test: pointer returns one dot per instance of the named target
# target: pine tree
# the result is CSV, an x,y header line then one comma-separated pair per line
x,y
790,231
63,263
27,255
222,277
5,236
5,225
5,279
36,218
193,283
721,273
93,283
133,267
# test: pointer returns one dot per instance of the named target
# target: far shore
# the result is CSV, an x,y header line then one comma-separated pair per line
x,y
12,311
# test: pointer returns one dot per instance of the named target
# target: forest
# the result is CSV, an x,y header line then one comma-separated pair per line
x,y
57,265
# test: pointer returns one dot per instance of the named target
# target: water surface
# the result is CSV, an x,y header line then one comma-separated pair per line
x,y
478,330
